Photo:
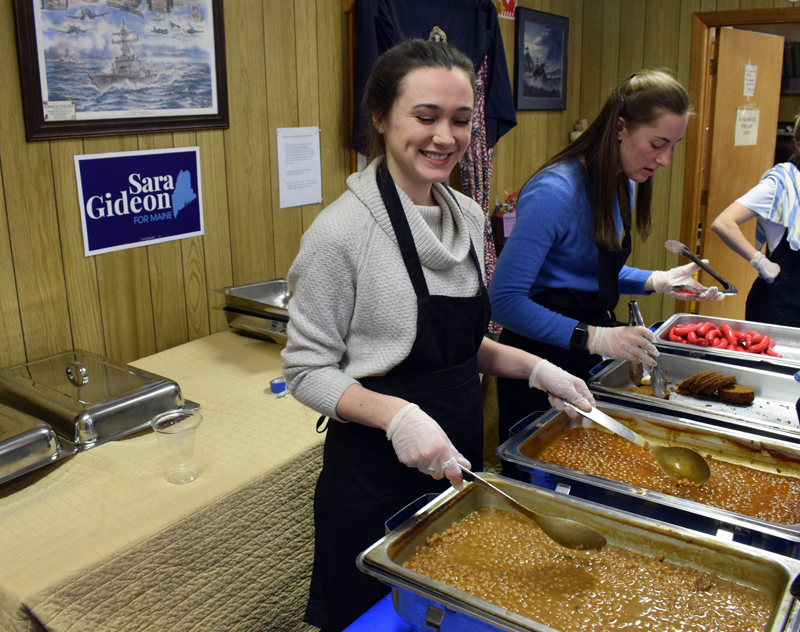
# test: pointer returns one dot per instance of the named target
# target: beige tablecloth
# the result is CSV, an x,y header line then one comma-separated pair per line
x,y
100,540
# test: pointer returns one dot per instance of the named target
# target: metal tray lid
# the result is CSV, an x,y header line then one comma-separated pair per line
x,y
26,444
86,397
80,379
264,297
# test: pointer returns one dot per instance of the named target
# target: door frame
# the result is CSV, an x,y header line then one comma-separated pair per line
x,y
701,87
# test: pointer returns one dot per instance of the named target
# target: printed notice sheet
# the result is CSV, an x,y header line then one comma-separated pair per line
x,y
746,131
750,73
299,166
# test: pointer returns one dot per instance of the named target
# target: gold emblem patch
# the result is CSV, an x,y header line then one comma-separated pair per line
x,y
437,35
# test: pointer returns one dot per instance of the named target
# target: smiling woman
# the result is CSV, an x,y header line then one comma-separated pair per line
x,y
427,130
387,322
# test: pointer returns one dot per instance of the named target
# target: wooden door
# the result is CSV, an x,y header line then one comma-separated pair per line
x,y
731,167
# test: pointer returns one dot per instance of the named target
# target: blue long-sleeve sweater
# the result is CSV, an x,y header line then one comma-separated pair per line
x,y
551,247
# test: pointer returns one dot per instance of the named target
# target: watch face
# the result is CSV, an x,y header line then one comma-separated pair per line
x,y
579,336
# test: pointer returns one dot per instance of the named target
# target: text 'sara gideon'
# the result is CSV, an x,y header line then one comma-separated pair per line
x,y
139,198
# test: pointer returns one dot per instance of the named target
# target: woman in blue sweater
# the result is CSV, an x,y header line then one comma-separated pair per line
x,y
563,268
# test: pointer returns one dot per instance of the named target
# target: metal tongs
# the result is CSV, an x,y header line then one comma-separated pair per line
x,y
689,290
679,249
639,371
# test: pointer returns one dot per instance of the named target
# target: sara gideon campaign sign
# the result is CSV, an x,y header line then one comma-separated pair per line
x,y
139,198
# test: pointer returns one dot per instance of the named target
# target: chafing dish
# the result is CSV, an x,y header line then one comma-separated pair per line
x,y
264,297
27,444
741,448
787,342
772,412
425,603
86,398
270,328
258,309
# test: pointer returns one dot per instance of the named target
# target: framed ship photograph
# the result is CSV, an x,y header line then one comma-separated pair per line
x,y
541,43
103,67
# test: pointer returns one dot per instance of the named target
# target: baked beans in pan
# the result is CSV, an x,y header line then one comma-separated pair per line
x,y
743,490
504,559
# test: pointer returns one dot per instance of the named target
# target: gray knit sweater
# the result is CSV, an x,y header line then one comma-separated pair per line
x,y
353,311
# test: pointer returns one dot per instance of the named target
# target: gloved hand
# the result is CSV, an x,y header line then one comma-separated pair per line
x,y
664,281
767,270
561,387
420,442
624,343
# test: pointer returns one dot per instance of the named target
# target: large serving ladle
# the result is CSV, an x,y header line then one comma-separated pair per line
x,y
680,462
568,533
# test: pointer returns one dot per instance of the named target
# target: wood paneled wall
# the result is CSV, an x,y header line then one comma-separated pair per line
x,y
287,66
610,40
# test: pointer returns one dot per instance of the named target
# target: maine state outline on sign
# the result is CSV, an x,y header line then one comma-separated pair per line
x,y
183,194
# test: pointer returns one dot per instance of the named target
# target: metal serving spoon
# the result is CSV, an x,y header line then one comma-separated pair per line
x,y
681,462
568,533
679,249
658,381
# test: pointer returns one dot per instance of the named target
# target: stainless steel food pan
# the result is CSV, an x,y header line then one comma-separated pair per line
x,y
27,444
86,398
263,297
772,412
732,446
787,342
262,326
417,597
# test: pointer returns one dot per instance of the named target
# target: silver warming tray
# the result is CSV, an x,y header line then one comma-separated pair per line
x,y
787,341
265,297
258,309
732,446
27,444
420,601
772,412
270,328
86,398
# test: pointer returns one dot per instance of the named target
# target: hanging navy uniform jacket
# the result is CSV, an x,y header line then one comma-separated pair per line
x,y
469,25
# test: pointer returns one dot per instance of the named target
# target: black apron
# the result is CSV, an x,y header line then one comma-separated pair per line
x,y
514,397
362,483
777,303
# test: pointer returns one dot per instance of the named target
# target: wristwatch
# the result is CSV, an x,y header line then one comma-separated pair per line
x,y
579,337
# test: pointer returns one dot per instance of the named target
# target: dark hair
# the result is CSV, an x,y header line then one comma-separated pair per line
x,y
795,157
640,100
385,81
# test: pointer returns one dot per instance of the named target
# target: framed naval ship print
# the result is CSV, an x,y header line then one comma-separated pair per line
x,y
107,67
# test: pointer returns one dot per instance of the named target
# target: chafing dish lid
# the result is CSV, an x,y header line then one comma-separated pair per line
x,y
262,298
87,397
27,443
83,377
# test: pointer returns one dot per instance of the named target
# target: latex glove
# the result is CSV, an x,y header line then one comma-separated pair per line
x,y
624,343
664,281
561,387
420,442
767,270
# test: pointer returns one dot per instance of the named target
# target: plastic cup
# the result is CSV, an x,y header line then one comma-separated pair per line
x,y
176,430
